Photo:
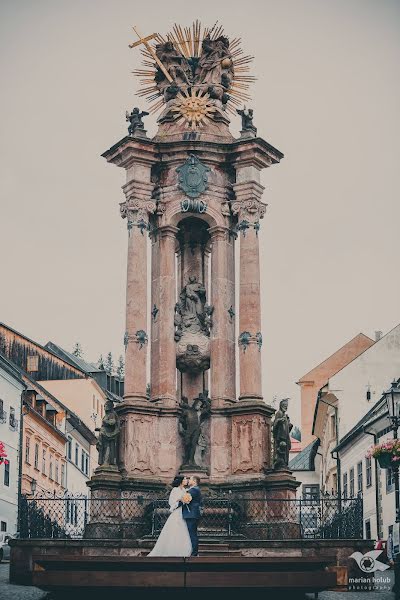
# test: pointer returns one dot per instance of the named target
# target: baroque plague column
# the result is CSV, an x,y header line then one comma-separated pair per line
x,y
194,191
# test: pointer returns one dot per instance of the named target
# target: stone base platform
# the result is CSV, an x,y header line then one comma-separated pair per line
x,y
298,565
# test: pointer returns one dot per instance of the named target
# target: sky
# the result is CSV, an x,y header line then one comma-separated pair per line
x,y
327,96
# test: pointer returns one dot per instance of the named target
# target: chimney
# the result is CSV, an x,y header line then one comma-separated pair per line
x,y
378,335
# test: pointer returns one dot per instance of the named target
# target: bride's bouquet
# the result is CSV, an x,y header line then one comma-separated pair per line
x,y
186,499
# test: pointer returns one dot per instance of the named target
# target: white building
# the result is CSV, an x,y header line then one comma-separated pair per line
x,y
348,396
11,388
363,475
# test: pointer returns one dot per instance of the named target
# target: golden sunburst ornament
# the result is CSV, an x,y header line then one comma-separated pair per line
x,y
193,71
194,108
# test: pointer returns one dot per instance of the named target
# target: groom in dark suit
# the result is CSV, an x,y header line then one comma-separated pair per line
x,y
191,512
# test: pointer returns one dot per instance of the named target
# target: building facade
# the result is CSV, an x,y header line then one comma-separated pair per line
x,y
311,382
11,389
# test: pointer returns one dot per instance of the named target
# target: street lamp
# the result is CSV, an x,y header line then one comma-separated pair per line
x,y
393,403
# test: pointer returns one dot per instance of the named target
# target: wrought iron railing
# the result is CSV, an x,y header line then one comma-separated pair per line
x,y
140,516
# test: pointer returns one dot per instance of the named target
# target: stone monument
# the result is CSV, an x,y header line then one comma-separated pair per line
x,y
193,190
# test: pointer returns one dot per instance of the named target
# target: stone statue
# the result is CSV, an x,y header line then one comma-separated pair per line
x,y
176,65
135,120
247,120
214,69
281,434
190,424
192,303
107,442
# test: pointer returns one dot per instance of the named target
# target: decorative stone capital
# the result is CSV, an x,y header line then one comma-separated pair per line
x,y
246,338
140,337
137,212
219,234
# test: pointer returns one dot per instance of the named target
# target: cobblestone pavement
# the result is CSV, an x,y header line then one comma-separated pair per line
x,y
16,592
19,592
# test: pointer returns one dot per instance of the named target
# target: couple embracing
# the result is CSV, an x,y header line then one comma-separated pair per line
x,y
178,537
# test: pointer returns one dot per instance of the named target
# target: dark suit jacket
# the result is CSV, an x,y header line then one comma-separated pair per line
x,y
192,510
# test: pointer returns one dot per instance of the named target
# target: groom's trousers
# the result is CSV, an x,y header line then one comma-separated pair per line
x,y
192,527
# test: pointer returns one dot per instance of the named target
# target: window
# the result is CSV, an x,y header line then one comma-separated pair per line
x,y
352,482
57,472
7,473
334,484
359,478
63,474
368,471
27,449
76,454
44,461
87,464
97,401
83,461
333,426
51,467
69,448
345,488
3,526
389,480
3,415
368,529
310,493
12,420
94,402
36,455
102,411
71,510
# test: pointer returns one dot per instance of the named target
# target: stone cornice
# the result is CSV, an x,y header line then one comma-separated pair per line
x,y
251,151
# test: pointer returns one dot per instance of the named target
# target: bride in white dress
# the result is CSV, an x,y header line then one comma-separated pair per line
x,y
174,539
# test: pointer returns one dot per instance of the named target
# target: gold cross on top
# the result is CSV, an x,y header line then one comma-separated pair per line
x,y
145,42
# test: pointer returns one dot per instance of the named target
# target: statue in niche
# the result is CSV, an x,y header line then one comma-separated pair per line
x,y
190,423
135,120
192,305
281,434
247,119
109,432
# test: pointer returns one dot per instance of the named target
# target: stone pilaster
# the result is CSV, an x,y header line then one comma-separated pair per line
x,y
250,210
163,359
136,210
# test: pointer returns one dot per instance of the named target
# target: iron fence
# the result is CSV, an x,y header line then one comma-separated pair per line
x,y
141,516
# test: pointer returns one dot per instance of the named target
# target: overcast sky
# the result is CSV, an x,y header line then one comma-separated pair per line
x,y
327,96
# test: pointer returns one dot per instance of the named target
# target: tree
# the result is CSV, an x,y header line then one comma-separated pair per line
x,y
121,367
109,364
77,351
100,363
296,433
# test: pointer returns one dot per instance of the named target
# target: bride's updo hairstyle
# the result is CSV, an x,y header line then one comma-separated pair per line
x,y
177,481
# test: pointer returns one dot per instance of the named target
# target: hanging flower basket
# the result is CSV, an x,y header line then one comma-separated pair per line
x,y
3,454
384,460
387,454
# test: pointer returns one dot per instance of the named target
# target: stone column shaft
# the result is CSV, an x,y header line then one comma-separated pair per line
x,y
163,359
223,373
136,209
250,210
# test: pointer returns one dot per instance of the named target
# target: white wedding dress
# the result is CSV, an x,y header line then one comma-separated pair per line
x,y
174,539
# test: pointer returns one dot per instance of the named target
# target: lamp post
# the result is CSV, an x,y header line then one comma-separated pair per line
x,y
393,403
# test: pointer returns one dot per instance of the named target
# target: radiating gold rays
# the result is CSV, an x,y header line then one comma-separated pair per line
x,y
188,40
193,108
